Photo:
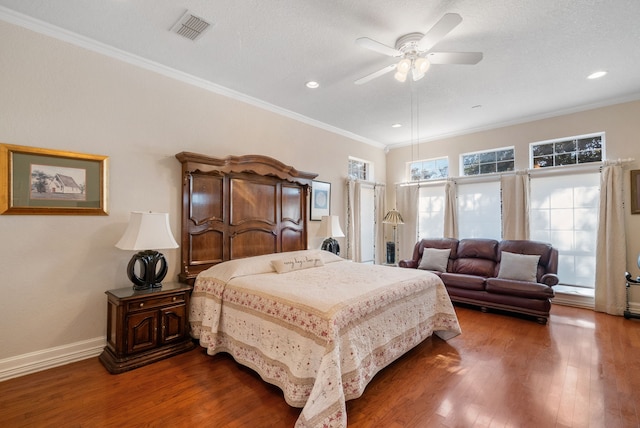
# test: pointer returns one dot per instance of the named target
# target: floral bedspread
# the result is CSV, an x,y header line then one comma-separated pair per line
x,y
322,333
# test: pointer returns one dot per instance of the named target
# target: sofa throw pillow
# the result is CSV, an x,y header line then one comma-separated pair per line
x,y
520,267
296,263
435,259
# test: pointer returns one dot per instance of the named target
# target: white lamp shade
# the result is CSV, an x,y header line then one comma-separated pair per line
x,y
330,227
147,231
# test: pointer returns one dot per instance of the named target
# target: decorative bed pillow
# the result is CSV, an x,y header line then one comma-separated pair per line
x,y
297,263
435,259
520,267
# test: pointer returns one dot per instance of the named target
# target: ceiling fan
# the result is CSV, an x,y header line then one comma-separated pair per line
x,y
414,49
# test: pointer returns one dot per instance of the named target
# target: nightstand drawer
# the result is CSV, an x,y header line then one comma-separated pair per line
x,y
140,305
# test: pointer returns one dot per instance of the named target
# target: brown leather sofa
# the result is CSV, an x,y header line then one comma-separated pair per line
x,y
477,272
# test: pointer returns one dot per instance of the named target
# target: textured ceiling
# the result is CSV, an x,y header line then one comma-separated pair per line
x,y
537,55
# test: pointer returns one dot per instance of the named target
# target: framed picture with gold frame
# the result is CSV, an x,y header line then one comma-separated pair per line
x,y
635,191
52,182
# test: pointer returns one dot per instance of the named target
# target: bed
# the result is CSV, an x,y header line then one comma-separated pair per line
x,y
317,326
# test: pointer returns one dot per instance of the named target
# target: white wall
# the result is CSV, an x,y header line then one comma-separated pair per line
x,y
620,122
56,95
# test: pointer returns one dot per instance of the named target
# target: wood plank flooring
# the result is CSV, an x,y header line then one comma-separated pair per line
x,y
581,370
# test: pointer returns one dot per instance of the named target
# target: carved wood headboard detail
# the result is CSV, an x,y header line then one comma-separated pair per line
x,y
239,206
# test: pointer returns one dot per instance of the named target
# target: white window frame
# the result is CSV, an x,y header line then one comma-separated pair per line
x,y
481,152
368,169
567,139
434,160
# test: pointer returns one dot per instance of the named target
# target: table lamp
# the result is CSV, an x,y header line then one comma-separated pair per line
x,y
146,233
394,218
330,229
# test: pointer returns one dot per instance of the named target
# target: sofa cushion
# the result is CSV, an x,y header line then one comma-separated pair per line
x,y
434,259
542,249
479,267
478,248
476,257
468,282
521,267
530,290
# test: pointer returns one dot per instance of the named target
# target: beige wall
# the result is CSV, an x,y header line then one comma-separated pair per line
x,y
620,122
56,95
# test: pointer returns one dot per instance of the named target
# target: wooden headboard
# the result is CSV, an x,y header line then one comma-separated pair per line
x,y
239,206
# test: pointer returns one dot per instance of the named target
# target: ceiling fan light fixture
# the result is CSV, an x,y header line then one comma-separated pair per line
x,y
416,75
400,77
422,65
404,66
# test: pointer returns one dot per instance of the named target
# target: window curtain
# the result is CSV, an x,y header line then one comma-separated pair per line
x,y
381,210
515,205
407,205
611,253
450,210
353,221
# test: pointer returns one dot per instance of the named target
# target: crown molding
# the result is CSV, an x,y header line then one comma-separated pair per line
x,y
55,32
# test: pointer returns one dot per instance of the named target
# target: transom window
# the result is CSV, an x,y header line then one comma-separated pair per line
x,y
359,169
429,169
567,151
487,162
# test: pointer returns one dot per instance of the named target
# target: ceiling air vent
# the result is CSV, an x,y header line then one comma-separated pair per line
x,y
190,26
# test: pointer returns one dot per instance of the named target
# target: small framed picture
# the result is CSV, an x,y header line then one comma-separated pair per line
x,y
635,191
320,200
52,182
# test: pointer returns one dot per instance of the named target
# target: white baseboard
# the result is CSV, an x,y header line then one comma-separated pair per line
x,y
48,358
578,301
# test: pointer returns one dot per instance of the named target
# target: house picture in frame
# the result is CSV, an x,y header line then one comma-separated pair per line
x,y
52,182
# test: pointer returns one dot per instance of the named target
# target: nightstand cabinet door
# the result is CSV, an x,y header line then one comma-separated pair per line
x,y
142,331
145,326
174,325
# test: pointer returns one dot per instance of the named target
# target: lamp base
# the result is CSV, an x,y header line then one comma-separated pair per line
x,y
152,267
331,245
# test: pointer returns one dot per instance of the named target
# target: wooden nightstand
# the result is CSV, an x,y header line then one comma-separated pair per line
x,y
144,326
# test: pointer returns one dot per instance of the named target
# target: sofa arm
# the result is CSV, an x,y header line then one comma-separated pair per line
x,y
408,264
550,279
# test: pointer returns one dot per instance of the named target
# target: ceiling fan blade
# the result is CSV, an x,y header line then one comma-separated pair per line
x,y
447,23
368,43
378,73
454,57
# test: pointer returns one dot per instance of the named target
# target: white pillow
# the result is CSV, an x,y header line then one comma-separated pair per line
x,y
435,259
297,263
520,267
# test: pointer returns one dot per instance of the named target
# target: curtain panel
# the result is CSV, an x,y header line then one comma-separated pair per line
x,y
611,247
515,205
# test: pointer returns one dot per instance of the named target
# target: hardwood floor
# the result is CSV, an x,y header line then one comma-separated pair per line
x,y
581,370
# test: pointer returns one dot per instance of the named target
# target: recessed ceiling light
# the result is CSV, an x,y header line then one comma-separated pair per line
x,y
596,75
312,84
396,125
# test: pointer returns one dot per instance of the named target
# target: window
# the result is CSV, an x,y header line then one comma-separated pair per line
x,y
428,169
367,223
487,162
564,212
360,169
479,210
567,151
431,211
